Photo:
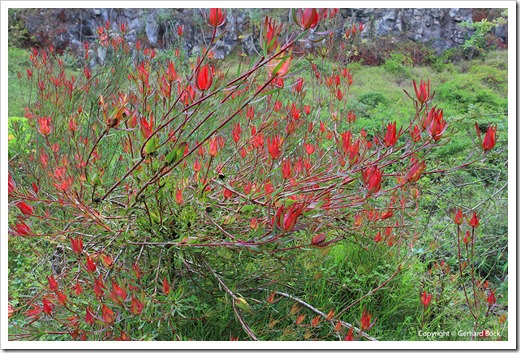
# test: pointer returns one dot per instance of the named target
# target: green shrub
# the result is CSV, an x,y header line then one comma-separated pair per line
x,y
398,64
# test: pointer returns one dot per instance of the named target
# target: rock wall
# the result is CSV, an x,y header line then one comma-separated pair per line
x,y
69,28
439,28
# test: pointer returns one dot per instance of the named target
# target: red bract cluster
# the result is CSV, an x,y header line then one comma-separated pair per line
x,y
270,34
286,220
489,139
435,123
204,78
422,92
426,298
216,17
308,18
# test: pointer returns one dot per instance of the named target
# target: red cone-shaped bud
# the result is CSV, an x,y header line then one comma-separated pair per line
x,y
204,78
53,285
489,139
426,298
473,222
216,17
309,18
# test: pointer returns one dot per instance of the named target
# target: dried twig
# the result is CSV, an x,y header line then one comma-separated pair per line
x,y
322,314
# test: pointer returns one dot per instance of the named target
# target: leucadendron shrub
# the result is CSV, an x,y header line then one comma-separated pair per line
x,y
149,187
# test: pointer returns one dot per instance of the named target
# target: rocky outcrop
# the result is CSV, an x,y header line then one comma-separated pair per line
x,y
69,28
439,28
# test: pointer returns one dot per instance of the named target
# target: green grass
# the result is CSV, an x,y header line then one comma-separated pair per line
x,y
18,94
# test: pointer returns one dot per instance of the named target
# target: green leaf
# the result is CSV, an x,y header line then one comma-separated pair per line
x,y
175,155
247,209
151,146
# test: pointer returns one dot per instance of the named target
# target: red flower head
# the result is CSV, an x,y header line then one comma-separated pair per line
x,y
295,112
215,145
44,125
11,184
309,148
287,221
118,294
372,178
53,285
216,17
22,229
170,71
415,171
107,314
436,125
365,320
278,82
99,286
298,87
270,35
197,165
415,134
89,317
273,146
136,306
165,286
473,222
237,130
279,66
227,193
489,140
91,266
491,298
47,306
286,169
426,298
346,140
179,30
351,116
391,135
423,91
25,208
465,240
187,95
268,187
77,288
62,298
308,18
77,244
146,127
350,335
250,113
339,94
204,78
107,260
457,217
178,197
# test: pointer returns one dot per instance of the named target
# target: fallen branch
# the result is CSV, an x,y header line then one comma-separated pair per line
x,y
322,314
